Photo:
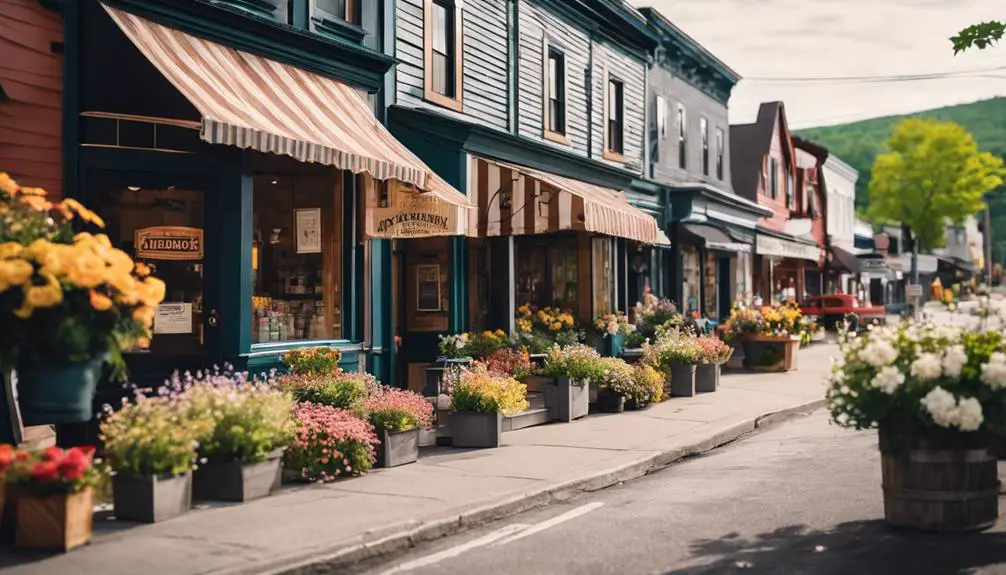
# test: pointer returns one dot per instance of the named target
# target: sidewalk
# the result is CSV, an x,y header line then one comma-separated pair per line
x,y
446,489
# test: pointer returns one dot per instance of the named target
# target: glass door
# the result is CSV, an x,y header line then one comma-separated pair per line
x,y
161,220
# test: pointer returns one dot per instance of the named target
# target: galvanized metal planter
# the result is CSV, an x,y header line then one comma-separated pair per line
x,y
236,481
151,499
472,429
567,399
707,377
397,447
682,379
610,402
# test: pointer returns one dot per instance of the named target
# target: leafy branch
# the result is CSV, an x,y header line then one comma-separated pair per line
x,y
979,36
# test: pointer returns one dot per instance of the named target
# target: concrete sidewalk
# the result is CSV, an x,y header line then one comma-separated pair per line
x,y
447,490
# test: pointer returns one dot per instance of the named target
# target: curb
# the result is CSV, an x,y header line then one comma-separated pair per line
x,y
403,536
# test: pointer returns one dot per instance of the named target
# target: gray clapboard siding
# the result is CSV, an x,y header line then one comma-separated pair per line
x,y
536,24
632,72
484,66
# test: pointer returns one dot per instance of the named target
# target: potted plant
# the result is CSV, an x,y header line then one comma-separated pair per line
x,y
617,384
329,443
769,335
931,391
613,327
649,386
312,360
572,369
150,445
676,353
480,398
69,303
713,353
252,423
338,388
55,502
397,416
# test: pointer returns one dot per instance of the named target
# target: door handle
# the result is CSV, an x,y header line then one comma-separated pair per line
x,y
213,320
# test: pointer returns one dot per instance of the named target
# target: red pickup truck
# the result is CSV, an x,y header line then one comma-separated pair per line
x,y
832,309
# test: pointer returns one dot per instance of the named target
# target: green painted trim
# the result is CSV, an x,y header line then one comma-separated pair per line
x,y
236,283
610,19
513,65
340,59
457,254
351,302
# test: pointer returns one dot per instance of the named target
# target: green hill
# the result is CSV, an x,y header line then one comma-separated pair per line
x,y
858,143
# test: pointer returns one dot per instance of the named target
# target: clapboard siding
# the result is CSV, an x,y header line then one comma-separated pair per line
x,y
536,24
485,91
32,78
632,72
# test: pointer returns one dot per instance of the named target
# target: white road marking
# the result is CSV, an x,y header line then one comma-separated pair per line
x,y
458,549
501,536
550,523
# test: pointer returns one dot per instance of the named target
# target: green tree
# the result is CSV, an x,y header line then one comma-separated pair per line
x,y
932,172
979,36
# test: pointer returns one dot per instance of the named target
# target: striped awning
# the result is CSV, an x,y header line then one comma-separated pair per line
x,y
252,102
517,200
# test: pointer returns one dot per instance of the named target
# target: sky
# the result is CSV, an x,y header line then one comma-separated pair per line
x,y
798,40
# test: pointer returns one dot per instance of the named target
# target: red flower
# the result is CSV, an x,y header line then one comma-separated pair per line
x,y
45,471
76,462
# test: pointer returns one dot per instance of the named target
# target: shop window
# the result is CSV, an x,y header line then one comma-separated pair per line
x,y
704,130
691,279
555,95
603,275
720,145
742,277
297,256
710,293
615,120
548,272
682,137
442,53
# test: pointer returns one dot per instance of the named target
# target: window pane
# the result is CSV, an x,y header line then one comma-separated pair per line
x,y
440,71
441,30
553,76
612,100
603,274
661,117
336,8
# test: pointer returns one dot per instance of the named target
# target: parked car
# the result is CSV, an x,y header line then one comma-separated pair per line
x,y
832,309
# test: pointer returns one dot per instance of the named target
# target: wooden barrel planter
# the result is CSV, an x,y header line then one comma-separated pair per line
x,y
940,487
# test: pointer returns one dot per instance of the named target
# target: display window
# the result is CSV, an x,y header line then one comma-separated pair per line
x,y
603,275
691,279
710,295
548,272
297,256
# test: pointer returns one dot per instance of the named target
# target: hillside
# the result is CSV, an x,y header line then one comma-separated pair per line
x,y
858,143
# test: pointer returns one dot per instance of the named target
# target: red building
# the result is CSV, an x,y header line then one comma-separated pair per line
x,y
769,169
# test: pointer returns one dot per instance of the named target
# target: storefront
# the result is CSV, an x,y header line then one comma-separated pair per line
x,y
782,264
714,270
252,201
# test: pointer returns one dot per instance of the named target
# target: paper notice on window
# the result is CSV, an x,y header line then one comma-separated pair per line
x,y
173,318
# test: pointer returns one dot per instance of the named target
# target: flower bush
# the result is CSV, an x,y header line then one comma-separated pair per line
x,y
397,409
312,360
479,390
938,376
52,471
713,350
482,345
341,389
539,329
67,297
153,436
649,379
619,377
249,420
578,362
614,324
454,346
508,361
673,347
778,320
654,312
330,443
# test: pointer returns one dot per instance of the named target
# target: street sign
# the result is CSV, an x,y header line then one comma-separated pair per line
x,y
913,291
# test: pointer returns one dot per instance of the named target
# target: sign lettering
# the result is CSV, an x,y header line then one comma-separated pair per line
x,y
413,216
169,243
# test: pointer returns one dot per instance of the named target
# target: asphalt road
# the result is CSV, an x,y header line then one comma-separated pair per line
x,y
801,498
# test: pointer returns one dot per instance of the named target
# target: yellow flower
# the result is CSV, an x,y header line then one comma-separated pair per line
x,y
84,213
25,311
150,291
144,315
37,250
556,326
46,295
32,192
143,342
87,270
15,272
141,269
10,250
7,184
37,203
100,301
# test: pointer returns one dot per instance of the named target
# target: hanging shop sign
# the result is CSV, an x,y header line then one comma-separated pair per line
x,y
169,243
413,216
777,247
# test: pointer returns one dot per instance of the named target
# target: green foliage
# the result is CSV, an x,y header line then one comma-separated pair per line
x,y
341,389
979,36
932,171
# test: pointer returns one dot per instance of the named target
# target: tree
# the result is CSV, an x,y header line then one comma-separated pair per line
x,y
931,172
979,36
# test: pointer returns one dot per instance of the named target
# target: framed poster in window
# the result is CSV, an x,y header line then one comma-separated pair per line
x,y
428,287
308,229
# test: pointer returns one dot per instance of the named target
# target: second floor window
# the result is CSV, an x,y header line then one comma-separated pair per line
x,y
790,192
556,92
682,138
443,53
341,9
661,117
704,130
615,117
720,144
773,174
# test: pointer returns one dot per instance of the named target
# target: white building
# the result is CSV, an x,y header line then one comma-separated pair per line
x,y
841,198
964,243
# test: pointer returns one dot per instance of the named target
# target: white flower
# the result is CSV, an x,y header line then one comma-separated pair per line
x,y
994,372
844,390
942,407
613,328
969,414
889,379
879,353
954,360
842,419
926,367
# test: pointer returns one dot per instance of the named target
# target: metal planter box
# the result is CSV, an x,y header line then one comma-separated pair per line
x,y
682,379
610,402
397,447
567,399
236,481
151,499
707,377
471,429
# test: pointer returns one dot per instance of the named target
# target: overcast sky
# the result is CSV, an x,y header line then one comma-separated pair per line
x,y
764,39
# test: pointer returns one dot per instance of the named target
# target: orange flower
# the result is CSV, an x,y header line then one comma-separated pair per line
x,y
100,301
7,184
37,203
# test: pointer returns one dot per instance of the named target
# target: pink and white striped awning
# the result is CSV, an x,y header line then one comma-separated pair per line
x,y
252,102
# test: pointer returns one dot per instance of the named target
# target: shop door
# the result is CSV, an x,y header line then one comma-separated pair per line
x,y
169,222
